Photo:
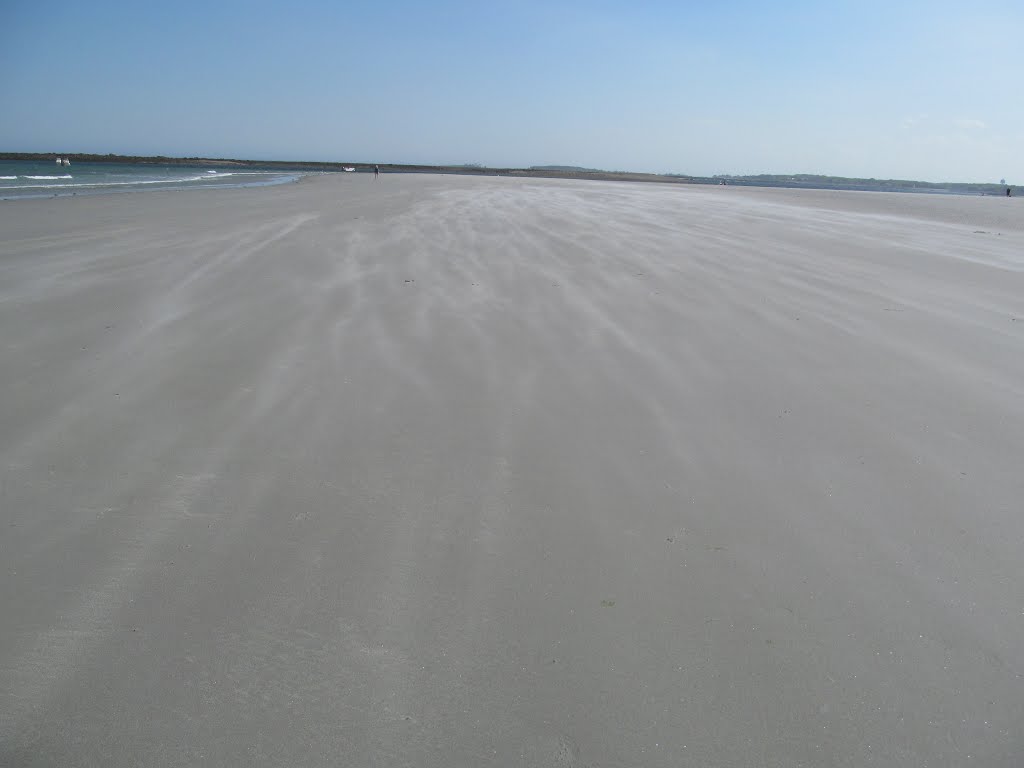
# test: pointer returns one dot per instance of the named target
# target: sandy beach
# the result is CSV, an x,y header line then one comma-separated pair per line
x,y
450,471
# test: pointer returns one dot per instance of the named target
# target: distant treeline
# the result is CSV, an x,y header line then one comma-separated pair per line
x,y
816,181
310,165
567,168
162,160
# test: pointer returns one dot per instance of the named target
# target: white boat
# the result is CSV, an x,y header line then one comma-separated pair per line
x,y
346,169
59,161
67,161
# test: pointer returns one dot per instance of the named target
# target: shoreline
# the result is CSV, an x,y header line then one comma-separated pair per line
x,y
773,181
982,209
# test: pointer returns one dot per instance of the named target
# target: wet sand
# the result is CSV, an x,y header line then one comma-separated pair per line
x,y
442,471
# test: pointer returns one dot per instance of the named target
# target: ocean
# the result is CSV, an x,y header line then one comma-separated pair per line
x,y
29,178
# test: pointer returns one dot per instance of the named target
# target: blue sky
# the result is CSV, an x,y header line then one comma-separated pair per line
x,y
927,90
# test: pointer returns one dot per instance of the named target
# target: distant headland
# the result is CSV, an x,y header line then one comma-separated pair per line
x,y
795,181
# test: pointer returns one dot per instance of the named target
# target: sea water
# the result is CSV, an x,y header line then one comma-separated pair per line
x,y
33,178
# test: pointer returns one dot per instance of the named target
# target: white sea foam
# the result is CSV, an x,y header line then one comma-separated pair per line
x,y
252,173
132,183
224,175
12,187
182,180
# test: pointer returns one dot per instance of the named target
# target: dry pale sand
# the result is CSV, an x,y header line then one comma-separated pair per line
x,y
442,471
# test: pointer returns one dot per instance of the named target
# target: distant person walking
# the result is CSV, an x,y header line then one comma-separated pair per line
x,y
376,173
1009,192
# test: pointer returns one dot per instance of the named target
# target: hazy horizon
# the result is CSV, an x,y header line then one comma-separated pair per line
x,y
922,91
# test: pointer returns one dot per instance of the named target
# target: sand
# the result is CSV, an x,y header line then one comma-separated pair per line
x,y
442,471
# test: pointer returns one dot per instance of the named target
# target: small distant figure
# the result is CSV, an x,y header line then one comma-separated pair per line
x,y
376,174
1009,192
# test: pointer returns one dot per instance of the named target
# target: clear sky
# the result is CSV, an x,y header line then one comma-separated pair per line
x,y
923,89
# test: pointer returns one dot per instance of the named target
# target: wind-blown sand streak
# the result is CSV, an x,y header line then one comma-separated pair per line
x,y
446,471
